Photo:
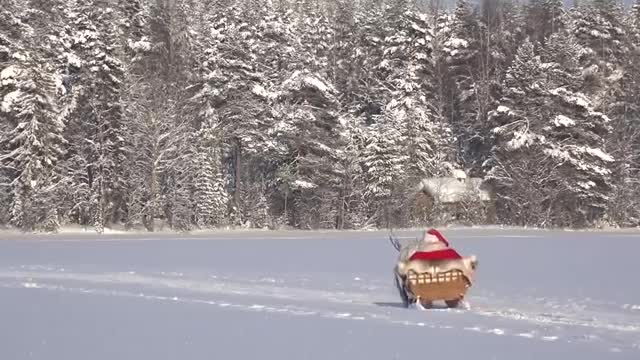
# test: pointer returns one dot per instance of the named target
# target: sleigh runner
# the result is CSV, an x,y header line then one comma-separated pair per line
x,y
429,270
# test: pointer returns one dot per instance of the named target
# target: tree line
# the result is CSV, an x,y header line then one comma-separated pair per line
x,y
315,113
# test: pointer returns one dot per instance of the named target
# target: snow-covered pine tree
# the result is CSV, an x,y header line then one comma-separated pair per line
x,y
352,54
632,84
543,18
609,71
342,17
252,50
33,149
230,88
33,143
598,27
160,64
462,51
316,37
563,53
11,50
632,22
508,34
362,92
156,144
12,32
398,51
384,167
631,76
352,207
307,115
624,207
409,61
95,130
210,197
444,88
549,155
171,37
462,47
177,188
132,25
501,32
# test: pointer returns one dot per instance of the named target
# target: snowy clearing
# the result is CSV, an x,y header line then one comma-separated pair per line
x,y
312,295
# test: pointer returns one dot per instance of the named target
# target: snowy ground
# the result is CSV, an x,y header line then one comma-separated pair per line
x,y
312,295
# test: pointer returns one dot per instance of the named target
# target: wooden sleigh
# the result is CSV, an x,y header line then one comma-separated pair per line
x,y
450,287
440,275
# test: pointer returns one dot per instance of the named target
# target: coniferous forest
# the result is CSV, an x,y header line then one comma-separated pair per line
x,y
315,114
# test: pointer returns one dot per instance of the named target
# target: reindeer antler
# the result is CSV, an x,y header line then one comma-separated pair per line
x,y
394,241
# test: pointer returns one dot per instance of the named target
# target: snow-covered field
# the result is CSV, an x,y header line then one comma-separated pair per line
x,y
312,295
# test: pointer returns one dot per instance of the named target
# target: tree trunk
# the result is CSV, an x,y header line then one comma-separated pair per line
x,y
237,161
152,201
286,199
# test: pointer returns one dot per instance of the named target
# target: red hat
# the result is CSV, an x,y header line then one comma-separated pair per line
x,y
437,234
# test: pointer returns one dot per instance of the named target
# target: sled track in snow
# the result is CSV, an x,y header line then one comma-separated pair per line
x,y
617,328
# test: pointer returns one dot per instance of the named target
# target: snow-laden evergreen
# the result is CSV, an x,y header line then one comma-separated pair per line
x,y
407,66
598,25
462,49
549,155
543,18
34,147
95,153
307,109
210,196
384,168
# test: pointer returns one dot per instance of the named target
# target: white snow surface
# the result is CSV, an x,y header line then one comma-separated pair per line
x,y
312,295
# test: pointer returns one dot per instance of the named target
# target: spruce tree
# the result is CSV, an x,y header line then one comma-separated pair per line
x,y
550,151
210,194
33,149
543,18
383,164
95,129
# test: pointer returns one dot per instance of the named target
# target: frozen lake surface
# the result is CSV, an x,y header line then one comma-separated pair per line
x,y
313,295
